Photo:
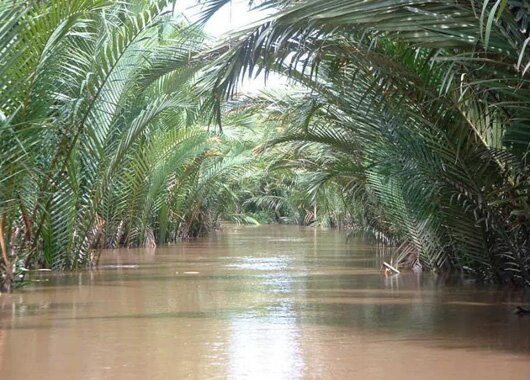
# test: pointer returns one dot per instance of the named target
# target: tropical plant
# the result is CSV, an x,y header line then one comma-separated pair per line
x,y
96,112
409,121
424,106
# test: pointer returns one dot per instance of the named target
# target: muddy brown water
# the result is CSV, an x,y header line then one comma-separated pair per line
x,y
268,302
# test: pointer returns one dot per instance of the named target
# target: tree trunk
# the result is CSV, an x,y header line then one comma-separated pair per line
x,y
8,275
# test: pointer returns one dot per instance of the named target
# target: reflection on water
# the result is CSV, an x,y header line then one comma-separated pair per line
x,y
277,356
267,263
260,303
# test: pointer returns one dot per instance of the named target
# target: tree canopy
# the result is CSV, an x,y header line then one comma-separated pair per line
x,y
407,121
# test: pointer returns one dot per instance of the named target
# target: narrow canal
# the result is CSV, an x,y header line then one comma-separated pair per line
x,y
268,302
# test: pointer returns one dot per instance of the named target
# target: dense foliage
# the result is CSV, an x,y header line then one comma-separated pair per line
x,y
419,111
407,120
101,141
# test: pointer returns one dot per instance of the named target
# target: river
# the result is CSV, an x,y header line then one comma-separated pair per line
x,y
267,302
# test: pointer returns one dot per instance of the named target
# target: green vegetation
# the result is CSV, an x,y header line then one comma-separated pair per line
x,y
101,137
407,120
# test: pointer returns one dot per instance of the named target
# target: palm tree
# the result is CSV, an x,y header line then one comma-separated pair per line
x,y
89,91
424,106
409,121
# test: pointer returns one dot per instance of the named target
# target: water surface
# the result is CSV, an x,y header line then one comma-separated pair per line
x,y
268,302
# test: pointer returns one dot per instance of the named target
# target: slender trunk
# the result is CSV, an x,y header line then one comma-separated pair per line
x,y
8,279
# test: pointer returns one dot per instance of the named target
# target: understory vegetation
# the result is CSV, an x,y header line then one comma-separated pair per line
x,y
121,124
